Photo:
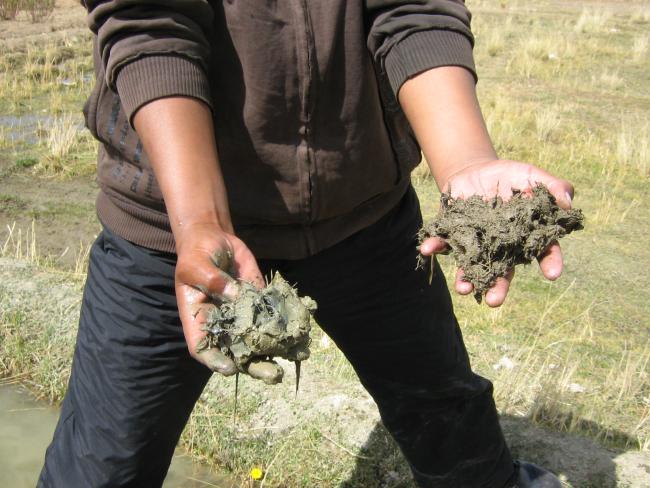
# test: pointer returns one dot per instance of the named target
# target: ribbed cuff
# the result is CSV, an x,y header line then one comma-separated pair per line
x,y
424,50
141,226
152,77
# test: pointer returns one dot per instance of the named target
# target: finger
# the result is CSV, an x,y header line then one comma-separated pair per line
x,y
217,361
561,189
563,192
433,245
268,371
496,295
206,277
463,287
200,311
250,272
193,310
194,315
551,262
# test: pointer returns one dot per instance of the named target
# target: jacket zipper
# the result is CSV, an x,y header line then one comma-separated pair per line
x,y
306,109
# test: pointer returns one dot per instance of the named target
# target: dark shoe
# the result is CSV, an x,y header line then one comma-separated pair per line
x,y
532,476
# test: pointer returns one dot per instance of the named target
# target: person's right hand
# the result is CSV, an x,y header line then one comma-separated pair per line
x,y
178,136
209,260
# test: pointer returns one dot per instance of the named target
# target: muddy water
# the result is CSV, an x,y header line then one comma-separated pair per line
x,y
26,429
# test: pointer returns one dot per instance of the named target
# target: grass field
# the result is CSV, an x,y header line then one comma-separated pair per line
x,y
562,84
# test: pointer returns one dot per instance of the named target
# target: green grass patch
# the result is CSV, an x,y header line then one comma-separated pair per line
x,y
12,203
26,162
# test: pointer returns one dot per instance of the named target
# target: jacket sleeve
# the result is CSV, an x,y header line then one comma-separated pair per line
x,y
408,37
152,49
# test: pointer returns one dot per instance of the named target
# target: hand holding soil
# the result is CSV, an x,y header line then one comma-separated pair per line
x,y
208,258
259,325
488,235
237,325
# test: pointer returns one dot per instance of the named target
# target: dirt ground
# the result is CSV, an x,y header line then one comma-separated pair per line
x,y
62,209
62,212
67,20
581,462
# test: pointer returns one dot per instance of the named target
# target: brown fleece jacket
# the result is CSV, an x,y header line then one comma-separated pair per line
x,y
312,142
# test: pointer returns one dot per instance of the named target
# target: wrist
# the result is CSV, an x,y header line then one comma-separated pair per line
x,y
216,220
193,230
190,209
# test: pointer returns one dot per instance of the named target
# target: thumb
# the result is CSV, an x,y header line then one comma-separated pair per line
x,y
562,190
217,361
433,245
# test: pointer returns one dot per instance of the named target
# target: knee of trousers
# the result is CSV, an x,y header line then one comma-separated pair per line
x,y
409,403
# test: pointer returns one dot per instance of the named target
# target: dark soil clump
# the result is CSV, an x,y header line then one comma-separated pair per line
x,y
267,323
487,238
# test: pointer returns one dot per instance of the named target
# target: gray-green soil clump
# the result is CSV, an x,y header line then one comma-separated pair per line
x,y
489,237
262,324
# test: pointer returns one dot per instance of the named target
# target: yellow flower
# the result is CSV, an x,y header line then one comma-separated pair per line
x,y
257,473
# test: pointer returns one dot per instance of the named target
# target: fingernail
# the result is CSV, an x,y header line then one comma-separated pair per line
x,y
568,197
226,368
218,362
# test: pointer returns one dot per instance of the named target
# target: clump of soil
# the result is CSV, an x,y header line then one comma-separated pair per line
x,y
487,238
267,323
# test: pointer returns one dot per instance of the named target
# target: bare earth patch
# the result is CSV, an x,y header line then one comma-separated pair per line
x,y
67,20
62,213
341,412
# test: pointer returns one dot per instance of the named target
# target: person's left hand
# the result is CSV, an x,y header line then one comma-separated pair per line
x,y
500,177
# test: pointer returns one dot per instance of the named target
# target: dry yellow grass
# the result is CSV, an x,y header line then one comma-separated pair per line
x,y
561,85
593,19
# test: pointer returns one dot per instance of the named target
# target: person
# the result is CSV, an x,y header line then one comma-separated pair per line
x,y
260,136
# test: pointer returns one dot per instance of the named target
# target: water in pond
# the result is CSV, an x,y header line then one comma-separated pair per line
x,y
26,129
26,428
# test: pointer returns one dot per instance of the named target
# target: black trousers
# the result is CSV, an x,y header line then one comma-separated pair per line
x,y
133,383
